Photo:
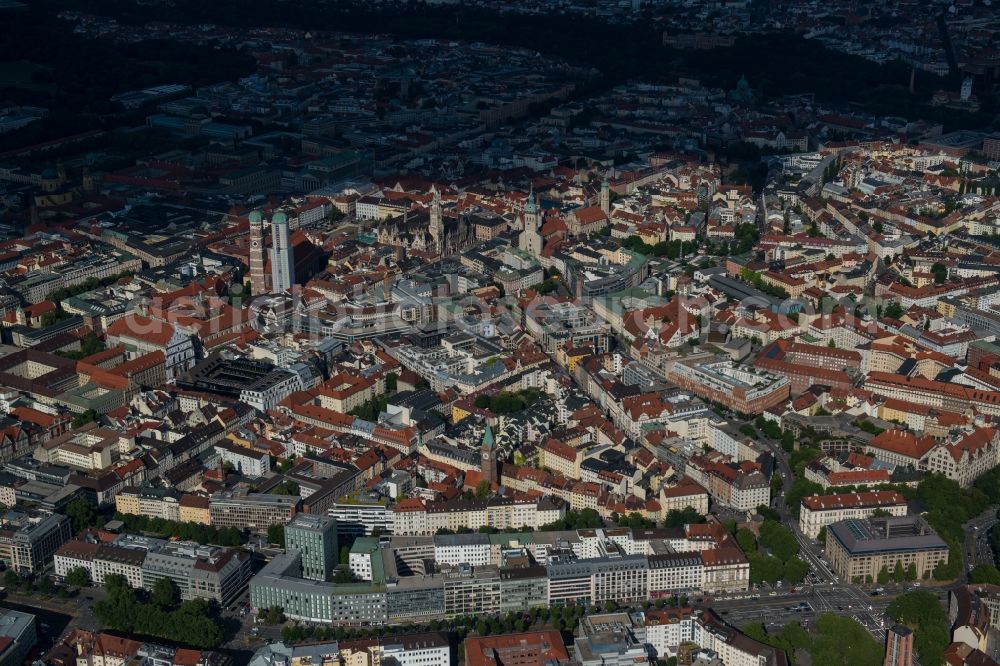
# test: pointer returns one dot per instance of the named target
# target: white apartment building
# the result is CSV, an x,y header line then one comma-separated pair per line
x,y
415,517
674,572
666,629
417,650
819,511
245,461
455,549
362,518
733,648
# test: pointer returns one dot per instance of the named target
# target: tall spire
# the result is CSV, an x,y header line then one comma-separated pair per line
x,y
488,457
258,280
437,224
530,206
282,261
530,240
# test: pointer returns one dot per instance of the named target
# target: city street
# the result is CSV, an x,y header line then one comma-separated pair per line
x,y
978,549
829,594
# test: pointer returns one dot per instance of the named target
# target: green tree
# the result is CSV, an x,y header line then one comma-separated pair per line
x,y
840,641
686,516
286,488
114,582
883,575
276,535
391,381
83,419
779,540
920,610
78,577
795,571
483,489
765,568
787,441
44,585
984,573
11,579
165,593
800,488
746,540
82,512
940,272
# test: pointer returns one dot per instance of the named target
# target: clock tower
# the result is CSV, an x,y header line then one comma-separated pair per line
x,y
258,283
488,453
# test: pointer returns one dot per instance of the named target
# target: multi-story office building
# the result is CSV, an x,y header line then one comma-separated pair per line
x,y
27,542
471,591
670,573
624,579
819,511
148,501
414,598
362,518
523,587
858,549
741,388
570,582
280,584
315,537
253,511
17,636
200,572
512,571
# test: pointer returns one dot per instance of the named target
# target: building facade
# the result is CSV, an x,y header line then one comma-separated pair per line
x,y
315,537
859,549
819,511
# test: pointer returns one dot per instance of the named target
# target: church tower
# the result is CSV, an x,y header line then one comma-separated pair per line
x,y
282,263
437,224
258,284
488,453
530,240
606,198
